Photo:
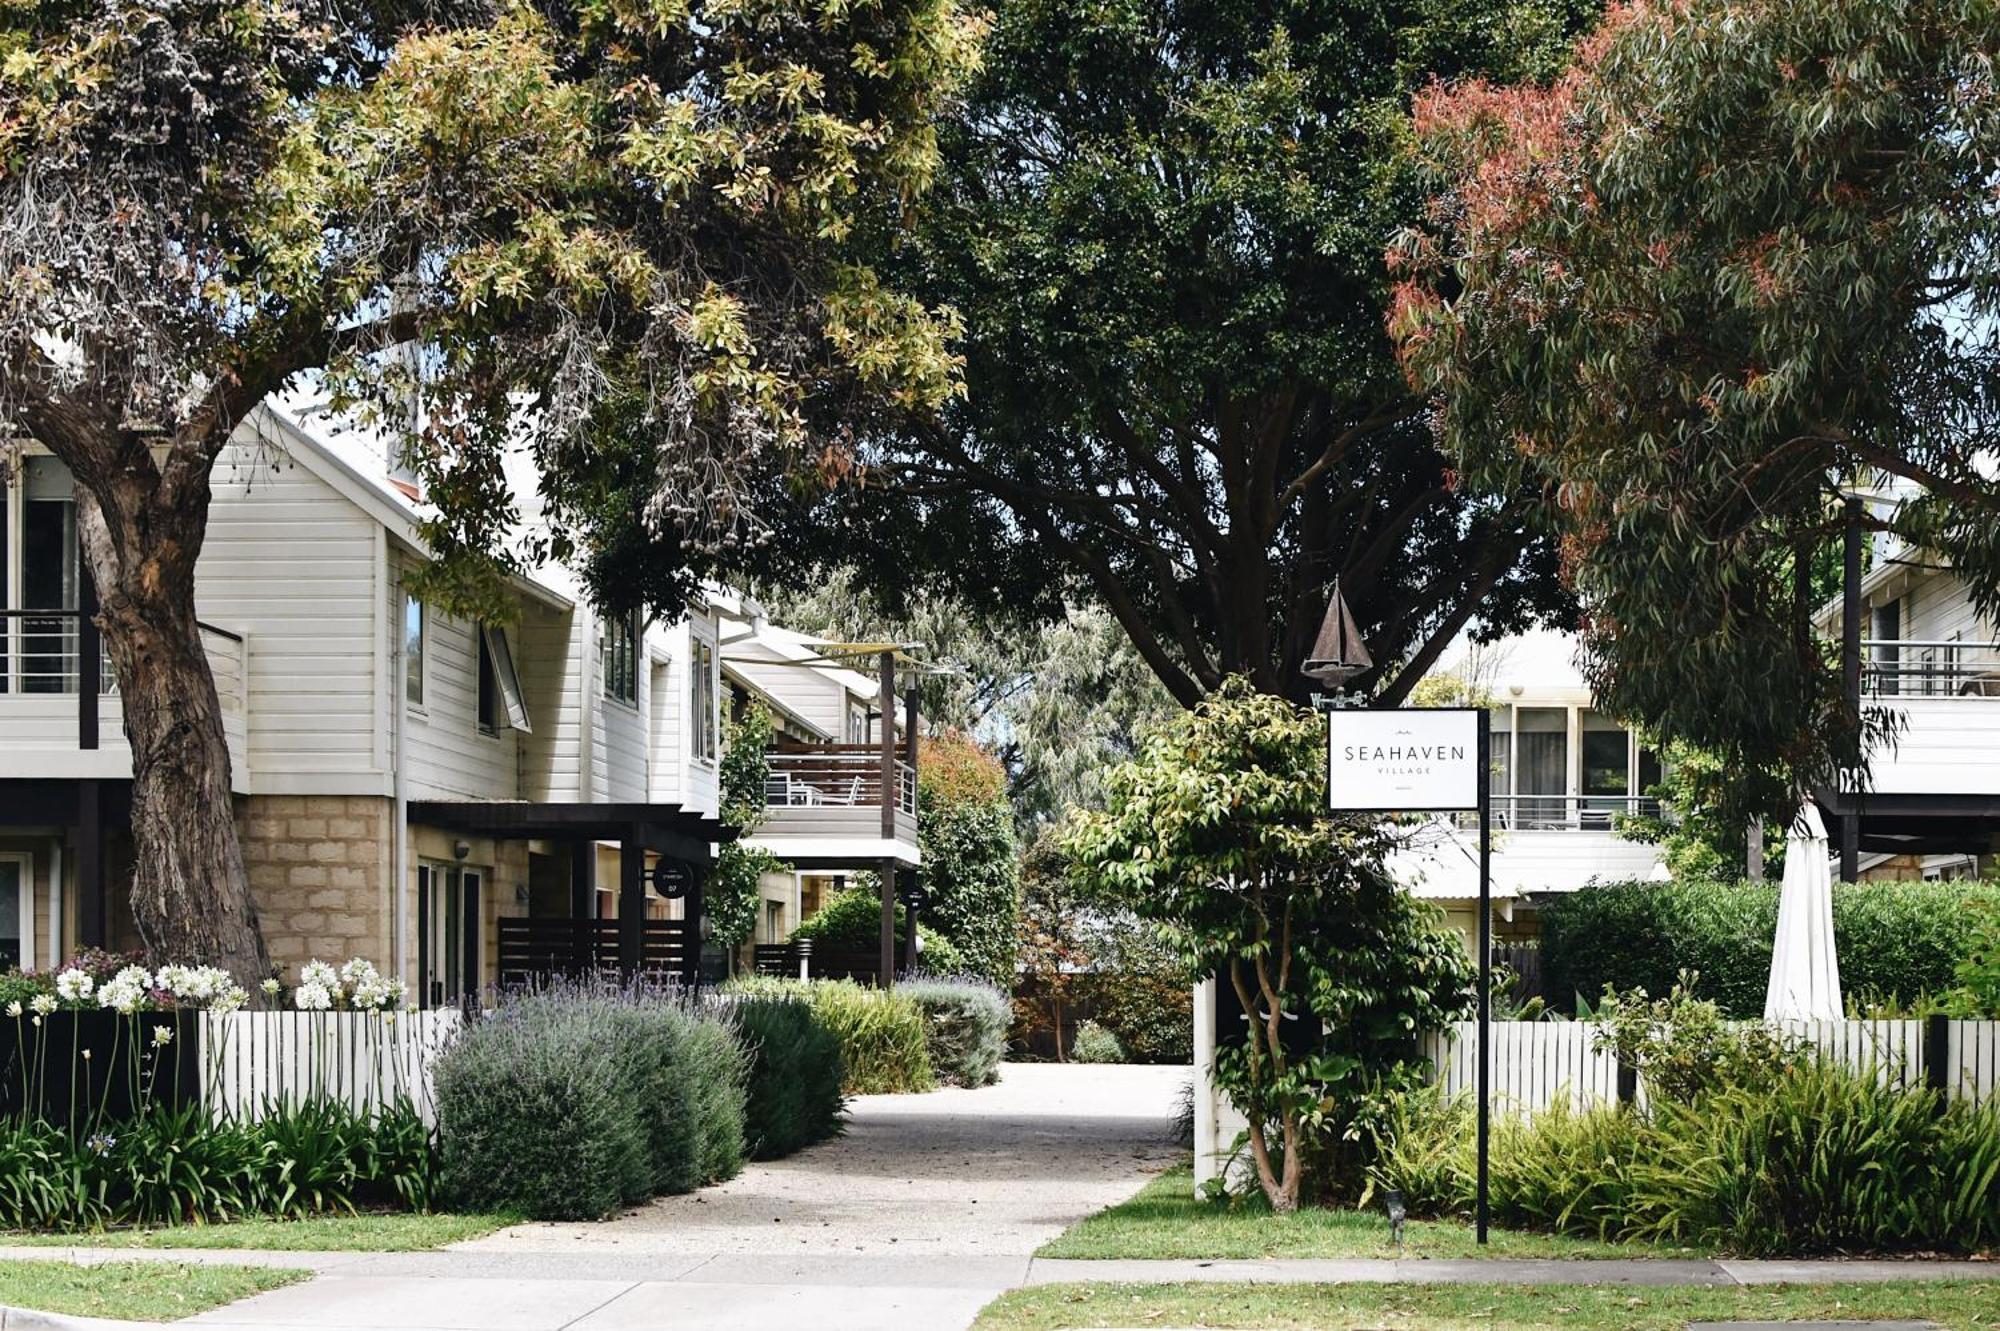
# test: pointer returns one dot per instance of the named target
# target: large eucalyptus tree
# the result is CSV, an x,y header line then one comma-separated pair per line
x,y
615,232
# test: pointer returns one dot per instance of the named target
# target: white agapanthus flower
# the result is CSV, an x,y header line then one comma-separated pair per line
x,y
122,993
14,1008
319,973
42,1004
73,986
230,999
312,996
270,988
358,972
370,995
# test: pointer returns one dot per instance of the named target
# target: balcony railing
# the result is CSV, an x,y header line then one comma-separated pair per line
x,y
1905,668
1562,813
46,654
837,776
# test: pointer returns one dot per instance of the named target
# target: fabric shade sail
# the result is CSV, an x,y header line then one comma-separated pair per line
x,y
1805,973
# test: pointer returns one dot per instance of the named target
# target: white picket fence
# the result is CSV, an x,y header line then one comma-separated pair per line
x,y
1536,1063
253,1062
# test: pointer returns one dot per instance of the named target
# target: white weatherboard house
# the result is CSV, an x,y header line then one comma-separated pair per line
x,y
825,813
1563,774
463,802
1930,803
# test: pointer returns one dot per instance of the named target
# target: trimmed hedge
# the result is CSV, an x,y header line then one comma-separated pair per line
x,y
572,1101
851,920
1897,940
881,1034
796,1073
965,1028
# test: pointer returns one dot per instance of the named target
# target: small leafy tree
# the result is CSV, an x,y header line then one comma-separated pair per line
x,y
1217,833
971,868
732,896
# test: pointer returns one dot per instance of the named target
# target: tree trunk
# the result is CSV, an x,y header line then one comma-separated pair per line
x,y
190,896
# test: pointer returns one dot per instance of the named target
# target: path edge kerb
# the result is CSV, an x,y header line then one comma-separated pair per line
x,y
34,1319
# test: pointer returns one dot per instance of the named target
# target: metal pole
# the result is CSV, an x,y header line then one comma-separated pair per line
x,y
1485,957
1850,678
887,708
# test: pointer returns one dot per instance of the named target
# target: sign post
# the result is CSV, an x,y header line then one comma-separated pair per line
x,y
1427,760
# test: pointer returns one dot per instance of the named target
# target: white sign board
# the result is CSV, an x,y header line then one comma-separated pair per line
x,y
1403,761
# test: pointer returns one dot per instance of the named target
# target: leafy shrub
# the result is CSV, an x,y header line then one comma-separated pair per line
x,y
1150,1011
1094,1044
881,1032
1815,1159
794,1096
1683,1048
1978,992
852,921
965,1028
176,1165
568,1102
1896,940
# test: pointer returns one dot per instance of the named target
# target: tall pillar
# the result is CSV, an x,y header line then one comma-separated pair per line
x,y
92,924
691,912
583,903
887,707
631,904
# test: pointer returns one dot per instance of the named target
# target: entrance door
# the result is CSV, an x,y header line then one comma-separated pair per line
x,y
1542,772
449,936
16,913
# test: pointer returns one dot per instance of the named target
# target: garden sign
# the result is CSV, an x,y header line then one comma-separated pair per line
x,y
1425,760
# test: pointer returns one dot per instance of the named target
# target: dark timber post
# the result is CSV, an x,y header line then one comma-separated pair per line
x,y
887,708
1850,674
910,957
631,903
691,939
90,911
89,667
1485,960
583,905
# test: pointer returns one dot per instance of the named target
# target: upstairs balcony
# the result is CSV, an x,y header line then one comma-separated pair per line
x,y
828,805
1945,697
52,729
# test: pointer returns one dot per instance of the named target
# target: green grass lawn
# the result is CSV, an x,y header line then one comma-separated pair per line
x,y
370,1232
1166,1219
138,1291
1959,1305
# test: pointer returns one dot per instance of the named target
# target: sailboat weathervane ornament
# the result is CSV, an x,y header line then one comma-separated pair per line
x,y
1338,654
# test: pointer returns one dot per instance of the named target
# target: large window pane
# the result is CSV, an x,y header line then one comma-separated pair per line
x,y
1543,783
413,650
48,576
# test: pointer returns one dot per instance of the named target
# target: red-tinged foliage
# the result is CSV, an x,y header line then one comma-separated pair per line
x,y
1732,261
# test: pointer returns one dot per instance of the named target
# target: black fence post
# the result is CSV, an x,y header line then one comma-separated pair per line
x,y
1937,1052
1628,1083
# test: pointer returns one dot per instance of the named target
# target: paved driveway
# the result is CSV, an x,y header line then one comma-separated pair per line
x,y
993,1172
926,1208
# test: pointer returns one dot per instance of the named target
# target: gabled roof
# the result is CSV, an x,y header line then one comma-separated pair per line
x,y
354,461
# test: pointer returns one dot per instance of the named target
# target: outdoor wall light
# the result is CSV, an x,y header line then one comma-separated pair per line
x,y
460,849
1392,1202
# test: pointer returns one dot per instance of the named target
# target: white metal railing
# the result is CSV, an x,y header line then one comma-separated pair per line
x,y
40,650
1562,813
1914,668
849,777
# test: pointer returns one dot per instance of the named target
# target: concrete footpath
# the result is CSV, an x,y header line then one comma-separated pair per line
x,y
924,1211
595,1291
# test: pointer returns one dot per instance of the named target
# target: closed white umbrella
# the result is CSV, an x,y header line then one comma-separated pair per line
x,y
1805,973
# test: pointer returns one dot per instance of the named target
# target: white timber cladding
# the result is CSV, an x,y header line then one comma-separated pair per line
x,y
551,654
619,758
812,694
297,570
451,757
1946,745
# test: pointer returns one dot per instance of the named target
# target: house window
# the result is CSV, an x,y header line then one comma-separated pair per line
x,y
1607,768
701,700
39,570
857,725
500,700
449,935
774,921
619,656
413,650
